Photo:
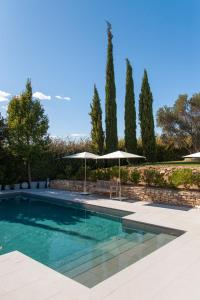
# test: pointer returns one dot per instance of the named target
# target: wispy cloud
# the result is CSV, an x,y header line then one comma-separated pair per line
x,y
41,96
4,107
4,96
63,98
78,135
70,136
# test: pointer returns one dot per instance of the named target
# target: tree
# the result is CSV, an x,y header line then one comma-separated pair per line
x,y
181,123
2,131
147,120
2,148
27,127
110,101
130,114
97,133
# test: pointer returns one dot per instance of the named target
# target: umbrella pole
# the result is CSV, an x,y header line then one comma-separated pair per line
x,y
120,190
85,177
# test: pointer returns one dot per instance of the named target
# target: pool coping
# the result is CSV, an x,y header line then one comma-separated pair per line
x,y
146,272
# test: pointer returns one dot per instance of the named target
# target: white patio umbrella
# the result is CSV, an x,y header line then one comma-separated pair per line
x,y
194,155
120,155
85,156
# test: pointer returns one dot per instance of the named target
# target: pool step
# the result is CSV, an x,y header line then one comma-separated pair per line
x,y
77,255
98,248
99,255
90,274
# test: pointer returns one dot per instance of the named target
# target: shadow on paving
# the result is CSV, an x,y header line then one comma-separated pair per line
x,y
174,207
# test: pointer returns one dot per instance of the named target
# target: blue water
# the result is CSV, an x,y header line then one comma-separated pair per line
x,y
75,242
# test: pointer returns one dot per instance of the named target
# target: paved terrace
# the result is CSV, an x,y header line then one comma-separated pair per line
x,y
171,272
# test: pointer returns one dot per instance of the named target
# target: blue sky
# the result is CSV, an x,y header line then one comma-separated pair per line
x,y
62,45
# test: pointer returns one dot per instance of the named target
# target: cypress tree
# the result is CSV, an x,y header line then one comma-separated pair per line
x,y
130,114
97,133
147,120
110,101
2,132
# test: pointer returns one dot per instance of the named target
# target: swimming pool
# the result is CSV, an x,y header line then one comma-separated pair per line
x,y
84,245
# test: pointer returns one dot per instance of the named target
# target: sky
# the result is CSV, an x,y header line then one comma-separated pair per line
x,y
61,45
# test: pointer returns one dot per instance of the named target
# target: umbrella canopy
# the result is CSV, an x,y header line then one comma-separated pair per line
x,y
82,155
194,155
120,155
85,156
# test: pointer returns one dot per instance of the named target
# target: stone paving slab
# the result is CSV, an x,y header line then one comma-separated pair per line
x,y
25,279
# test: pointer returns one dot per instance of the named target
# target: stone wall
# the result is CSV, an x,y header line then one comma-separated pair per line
x,y
139,193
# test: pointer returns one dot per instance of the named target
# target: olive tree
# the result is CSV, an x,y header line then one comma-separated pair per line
x,y
27,127
181,122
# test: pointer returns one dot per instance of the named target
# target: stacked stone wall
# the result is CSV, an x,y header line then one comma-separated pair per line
x,y
139,193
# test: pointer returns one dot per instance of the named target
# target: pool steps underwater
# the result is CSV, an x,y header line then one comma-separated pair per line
x,y
92,266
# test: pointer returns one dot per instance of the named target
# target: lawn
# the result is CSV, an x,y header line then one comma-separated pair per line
x,y
174,163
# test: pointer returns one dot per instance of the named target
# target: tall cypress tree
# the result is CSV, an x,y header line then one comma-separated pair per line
x,y
130,114
147,120
110,102
97,133
2,131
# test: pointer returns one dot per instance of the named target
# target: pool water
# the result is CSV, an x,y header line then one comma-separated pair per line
x,y
84,245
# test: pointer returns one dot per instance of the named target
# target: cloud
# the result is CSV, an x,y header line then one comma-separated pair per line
x,y
63,98
69,137
3,99
4,107
77,135
4,96
41,96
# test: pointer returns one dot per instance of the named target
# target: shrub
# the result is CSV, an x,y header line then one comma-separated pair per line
x,y
196,179
154,177
68,171
80,174
181,177
114,173
92,175
148,177
102,174
124,175
135,176
108,173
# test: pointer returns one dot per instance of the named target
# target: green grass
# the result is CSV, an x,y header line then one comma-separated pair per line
x,y
174,163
